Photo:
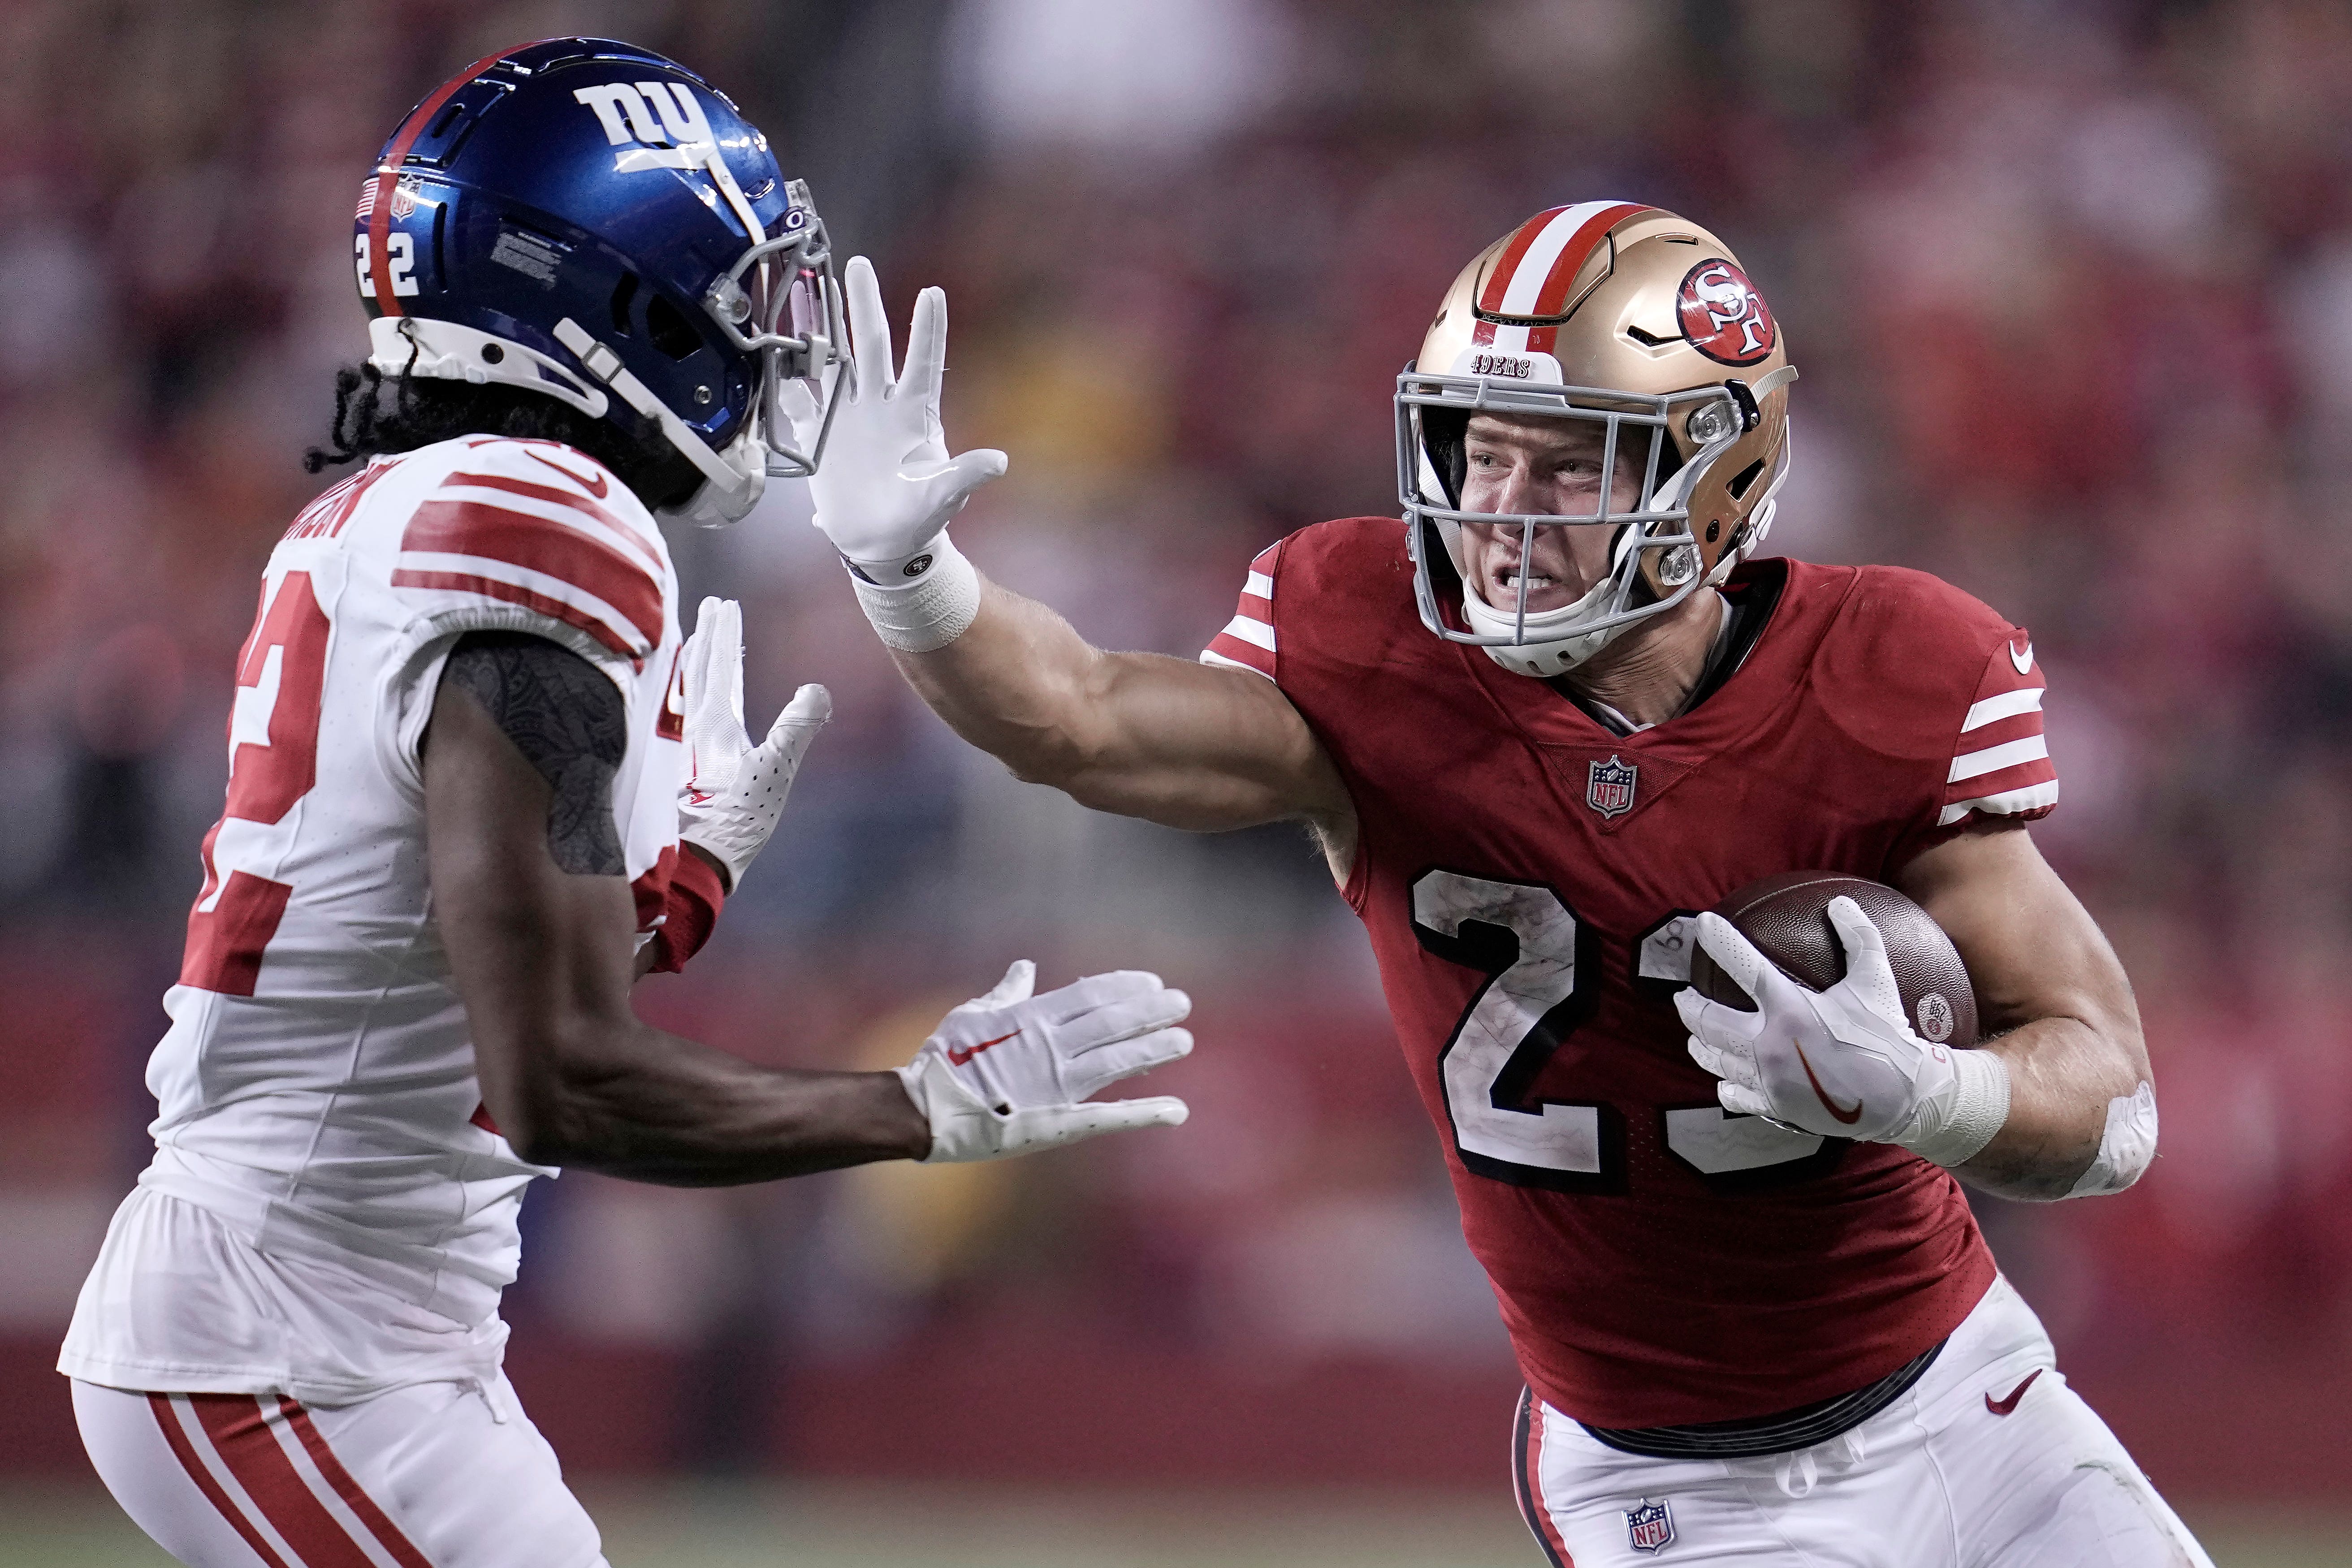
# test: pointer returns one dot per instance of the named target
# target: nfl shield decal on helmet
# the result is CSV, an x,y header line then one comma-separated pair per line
x,y
1650,1526
1610,789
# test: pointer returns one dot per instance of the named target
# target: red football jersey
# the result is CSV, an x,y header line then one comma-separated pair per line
x,y
1528,877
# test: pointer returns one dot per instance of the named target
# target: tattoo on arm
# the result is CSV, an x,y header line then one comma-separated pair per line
x,y
569,722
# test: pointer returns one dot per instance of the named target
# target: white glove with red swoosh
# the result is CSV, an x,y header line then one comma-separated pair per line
x,y
1008,1073
1842,1062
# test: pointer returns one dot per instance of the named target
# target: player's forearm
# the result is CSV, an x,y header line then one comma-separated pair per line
x,y
2065,1077
651,1107
1019,684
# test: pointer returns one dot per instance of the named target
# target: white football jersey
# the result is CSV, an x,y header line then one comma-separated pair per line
x,y
316,1085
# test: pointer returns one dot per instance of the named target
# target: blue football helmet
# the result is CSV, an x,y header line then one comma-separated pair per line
x,y
591,221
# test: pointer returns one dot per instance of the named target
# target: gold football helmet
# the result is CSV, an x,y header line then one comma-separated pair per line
x,y
1632,318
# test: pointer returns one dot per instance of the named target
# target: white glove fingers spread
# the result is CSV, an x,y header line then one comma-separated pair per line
x,y
1123,1115
969,470
796,724
1019,983
1094,991
1126,1019
927,347
725,655
869,330
693,658
1091,1069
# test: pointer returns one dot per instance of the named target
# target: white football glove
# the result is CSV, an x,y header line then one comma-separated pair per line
x,y
1842,1062
735,791
885,485
1006,1073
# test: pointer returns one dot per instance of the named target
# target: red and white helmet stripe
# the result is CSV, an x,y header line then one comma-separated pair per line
x,y
1539,264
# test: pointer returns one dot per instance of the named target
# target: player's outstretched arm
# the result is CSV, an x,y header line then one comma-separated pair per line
x,y
535,910
2056,1008
1190,746
1143,735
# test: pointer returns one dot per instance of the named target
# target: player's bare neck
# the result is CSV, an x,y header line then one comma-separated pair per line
x,y
1648,674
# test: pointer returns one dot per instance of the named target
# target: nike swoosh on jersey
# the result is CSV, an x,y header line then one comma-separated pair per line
x,y
2003,1406
1831,1106
960,1055
595,485
2023,662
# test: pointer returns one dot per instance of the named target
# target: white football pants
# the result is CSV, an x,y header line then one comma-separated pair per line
x,y
1989,1461
436,1475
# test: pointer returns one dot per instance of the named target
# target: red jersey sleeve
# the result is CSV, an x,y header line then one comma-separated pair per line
x,y
2001,759
1247,641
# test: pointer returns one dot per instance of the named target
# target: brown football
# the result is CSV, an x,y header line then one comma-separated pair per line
x,y
1787,917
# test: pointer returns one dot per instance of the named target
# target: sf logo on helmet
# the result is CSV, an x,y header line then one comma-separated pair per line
x,y
1723,315
657,122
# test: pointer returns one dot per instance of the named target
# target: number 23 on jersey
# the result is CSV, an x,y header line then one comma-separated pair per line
x,y
1542,986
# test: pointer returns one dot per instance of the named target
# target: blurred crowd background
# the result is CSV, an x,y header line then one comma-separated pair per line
x,y
2071,285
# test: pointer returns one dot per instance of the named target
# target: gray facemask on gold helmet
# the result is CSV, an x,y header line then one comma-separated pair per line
x,y
1638,321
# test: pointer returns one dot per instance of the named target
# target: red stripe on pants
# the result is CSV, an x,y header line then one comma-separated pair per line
x,y
1538,1510
240,1433
379,1524
169,1419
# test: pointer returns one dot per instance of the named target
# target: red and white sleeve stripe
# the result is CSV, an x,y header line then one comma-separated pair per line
x,y
2000,761
546,539
1247,641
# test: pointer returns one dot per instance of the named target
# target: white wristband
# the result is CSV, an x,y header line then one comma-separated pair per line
x,y
1952,1128
928,611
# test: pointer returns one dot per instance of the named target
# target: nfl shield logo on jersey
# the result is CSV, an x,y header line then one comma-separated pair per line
x,y
1609,791
1649,1525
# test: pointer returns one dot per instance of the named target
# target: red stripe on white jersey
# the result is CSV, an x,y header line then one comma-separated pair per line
x,y
167,1416
331,1469
516,594
239,1427
554,550
556,496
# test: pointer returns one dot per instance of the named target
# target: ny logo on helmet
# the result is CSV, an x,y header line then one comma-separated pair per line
x,y
658,122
